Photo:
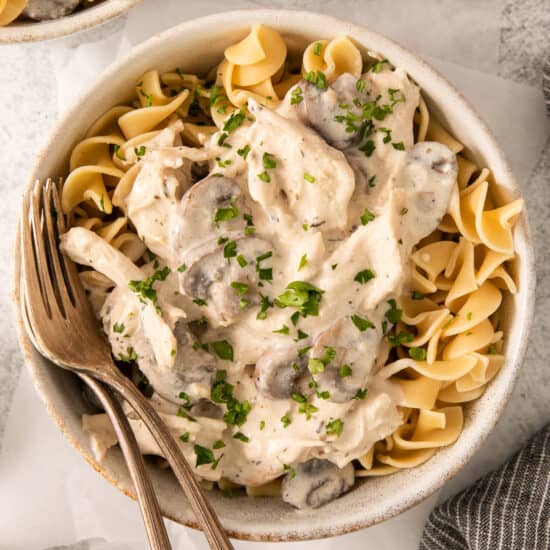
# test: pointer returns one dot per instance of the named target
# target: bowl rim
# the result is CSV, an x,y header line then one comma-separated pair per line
x,y
82,20
514,356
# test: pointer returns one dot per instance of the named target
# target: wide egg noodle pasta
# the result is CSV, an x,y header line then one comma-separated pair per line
x,y
458,274
10,10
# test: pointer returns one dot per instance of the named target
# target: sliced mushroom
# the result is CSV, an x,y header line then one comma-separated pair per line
x,y
277,372
205,407
49,9
423,189
352,347
316,482
211,271
212,197
321,109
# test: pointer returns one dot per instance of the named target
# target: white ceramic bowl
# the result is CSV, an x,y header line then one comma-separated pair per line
x,y
33,31
195,46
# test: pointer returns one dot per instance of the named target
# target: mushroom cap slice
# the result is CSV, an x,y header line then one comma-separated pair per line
x,y
278,370
320,107
211,271
49,9
316,482
212,206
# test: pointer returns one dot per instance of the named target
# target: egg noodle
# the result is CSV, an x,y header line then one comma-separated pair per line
x,y
447,333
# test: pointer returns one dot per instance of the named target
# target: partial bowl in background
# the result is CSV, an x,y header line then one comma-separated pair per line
x,y
33,31
196,46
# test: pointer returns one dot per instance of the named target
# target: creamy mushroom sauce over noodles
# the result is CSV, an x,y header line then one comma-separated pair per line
x,y
315,300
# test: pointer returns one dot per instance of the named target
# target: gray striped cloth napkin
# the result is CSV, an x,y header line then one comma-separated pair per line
x,y
507,509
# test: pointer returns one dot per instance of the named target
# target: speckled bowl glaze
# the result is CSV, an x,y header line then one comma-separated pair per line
x,y
33,31
195,46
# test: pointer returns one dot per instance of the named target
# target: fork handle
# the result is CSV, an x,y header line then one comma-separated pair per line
x,y
208,521
150,509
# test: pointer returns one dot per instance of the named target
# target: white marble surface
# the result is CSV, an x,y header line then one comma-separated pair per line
x,y
491,49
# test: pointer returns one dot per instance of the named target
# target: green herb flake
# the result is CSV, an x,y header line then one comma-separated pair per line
x,y
394,314
361,323
219,444
318,79
401,338
118,328
182,268
144,288
204,456
230,250
241,437
241,260
226,214
243,152
309,177
415,295
283,330
315,366
268,161
404,211
223,349
492,349
300,335
371,181
364,276
286,420
296,96
301,295
418,354
129,357
234,121
344,371
317,48
367,217
185,437
361,394
240,288
303,262
262,424
335,427
377,67
469,316
264,176
290,470
400,146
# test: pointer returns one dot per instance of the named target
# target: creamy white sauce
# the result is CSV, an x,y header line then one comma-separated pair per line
x,y
295,217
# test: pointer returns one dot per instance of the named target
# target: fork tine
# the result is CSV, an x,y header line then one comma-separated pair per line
x,y
64,294
30,268
72,279
37,224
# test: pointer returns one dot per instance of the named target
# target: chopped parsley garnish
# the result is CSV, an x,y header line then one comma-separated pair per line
x,y
309,177
102,202
241,260
403,211
268,161
360,85
323,394
377,67
262,424
492,349
291,471
222,163
401,338
317,48
335,427
296,96
199,301
400,146
185,437
318,79
186,400
264,273
286,420
264,176
240,288
418,354
119,328
361,323
303,262
361,394
265,304
468,316
333,266
116,149
216,97
182,268
234,121
301,295
140,151
305,226
300,335
304,406
364,276
367,217
371,181
223,349
303,351
219,444
205,456
317,365
226,214
243,152
222,392
283,330
145,288
415,295
130,356
241,437
230,250
368,148
222,138
393,315
387,132
295,317
182,412
345,370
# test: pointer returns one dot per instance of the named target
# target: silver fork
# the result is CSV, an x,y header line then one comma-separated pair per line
x,y
62,321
